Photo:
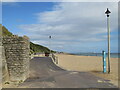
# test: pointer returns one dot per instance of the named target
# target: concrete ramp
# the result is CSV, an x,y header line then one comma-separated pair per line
x,y
45,74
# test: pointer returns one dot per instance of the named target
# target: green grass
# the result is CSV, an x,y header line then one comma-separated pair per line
x,y
5,32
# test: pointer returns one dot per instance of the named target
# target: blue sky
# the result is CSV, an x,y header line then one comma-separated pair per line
x,y
74,27
15,14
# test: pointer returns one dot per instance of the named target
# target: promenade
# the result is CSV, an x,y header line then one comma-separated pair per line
x,y
45,74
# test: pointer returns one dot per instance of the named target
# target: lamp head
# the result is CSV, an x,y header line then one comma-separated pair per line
x,y
107,12
50,37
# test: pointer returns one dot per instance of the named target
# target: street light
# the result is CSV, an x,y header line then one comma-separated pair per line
x,y
108,28
50,44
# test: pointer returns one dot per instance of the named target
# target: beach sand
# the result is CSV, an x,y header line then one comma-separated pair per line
x,y
92,64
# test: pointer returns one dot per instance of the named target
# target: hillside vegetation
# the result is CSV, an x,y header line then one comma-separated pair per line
x,y
5,32
34,48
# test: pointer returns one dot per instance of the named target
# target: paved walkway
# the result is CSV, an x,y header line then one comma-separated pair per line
x,y
45,74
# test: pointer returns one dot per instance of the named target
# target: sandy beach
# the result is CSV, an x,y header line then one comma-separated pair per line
x,y
92,64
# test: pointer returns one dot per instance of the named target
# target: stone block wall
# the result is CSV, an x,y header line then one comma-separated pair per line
x,y
17,57
0,56
5,74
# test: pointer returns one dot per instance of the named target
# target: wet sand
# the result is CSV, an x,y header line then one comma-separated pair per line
x,y
92,64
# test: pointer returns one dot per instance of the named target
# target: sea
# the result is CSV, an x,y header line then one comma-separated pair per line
x,y
112,55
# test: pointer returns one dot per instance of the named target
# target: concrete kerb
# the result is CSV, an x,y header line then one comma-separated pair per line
x,y
54,58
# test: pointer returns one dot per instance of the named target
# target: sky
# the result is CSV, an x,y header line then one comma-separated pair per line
x,y
74,26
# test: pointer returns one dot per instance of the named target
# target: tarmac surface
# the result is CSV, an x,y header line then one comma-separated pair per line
x,y
45,74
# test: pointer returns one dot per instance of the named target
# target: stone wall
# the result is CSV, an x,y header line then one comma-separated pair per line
x,y
0,56
5,74
17,57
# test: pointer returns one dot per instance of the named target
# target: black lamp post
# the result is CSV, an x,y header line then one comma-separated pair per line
x,y
50,43
108,28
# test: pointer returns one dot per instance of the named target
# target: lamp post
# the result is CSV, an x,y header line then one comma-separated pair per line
x,y
50,44
108,28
